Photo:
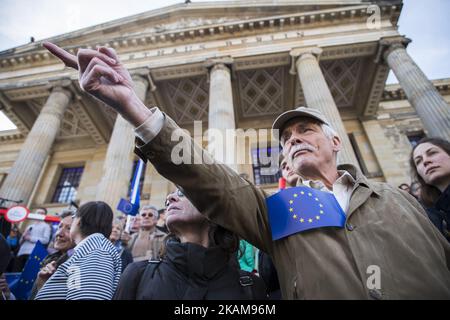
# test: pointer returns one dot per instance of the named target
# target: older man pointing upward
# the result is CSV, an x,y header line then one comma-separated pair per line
x,y
387,250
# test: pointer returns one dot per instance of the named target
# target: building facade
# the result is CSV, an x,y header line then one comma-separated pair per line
x,y
231,65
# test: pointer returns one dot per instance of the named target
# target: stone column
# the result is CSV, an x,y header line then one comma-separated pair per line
x,y
431,107
26,169
119,156
386,153
221,114
318,96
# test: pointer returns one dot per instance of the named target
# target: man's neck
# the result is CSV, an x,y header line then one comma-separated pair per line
x,y
147,231
328,176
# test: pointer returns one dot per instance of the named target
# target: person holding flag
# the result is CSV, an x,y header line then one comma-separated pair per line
x,y
358,239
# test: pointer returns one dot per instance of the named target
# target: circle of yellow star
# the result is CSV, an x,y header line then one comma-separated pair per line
x,y
302,220
317,217
317,199
310,194
321,205
291,202
291,210
321,211
302,192
295,195
310,220
294,216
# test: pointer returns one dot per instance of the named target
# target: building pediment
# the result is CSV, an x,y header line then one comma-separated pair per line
x,y
185,19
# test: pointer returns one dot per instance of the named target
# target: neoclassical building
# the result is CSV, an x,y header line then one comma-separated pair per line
x,y
231,65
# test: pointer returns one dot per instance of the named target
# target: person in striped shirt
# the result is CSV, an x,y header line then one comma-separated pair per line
x,y
93,271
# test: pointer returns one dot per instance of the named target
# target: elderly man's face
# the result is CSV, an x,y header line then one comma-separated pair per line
x,y
306,146
149,218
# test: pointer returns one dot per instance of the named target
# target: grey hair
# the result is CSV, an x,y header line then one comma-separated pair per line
x,y
149,206
329,132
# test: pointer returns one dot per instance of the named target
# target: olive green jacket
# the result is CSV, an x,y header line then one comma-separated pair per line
x,y
386,230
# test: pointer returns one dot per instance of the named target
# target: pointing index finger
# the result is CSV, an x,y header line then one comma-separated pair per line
x,y
69,59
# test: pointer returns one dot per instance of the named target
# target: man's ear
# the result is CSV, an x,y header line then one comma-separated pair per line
x,y
337,144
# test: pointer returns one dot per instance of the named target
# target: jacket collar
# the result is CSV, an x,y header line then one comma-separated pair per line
x,y
362,190
196,261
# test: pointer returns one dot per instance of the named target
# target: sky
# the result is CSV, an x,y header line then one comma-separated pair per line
x,y
425,22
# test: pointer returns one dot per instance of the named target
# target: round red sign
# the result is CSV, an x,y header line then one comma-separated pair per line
x,y
17,214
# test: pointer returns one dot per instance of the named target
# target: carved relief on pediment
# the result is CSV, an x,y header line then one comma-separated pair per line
x,y
187,23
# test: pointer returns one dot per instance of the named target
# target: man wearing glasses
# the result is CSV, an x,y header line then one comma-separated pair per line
x,y
146,243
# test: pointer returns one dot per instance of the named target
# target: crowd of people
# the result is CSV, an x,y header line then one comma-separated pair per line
x,y
213,239
92,251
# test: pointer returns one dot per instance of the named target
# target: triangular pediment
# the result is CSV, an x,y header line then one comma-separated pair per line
x,y
182,16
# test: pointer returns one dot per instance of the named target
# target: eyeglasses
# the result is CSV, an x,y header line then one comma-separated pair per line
x,y
179,194
147,214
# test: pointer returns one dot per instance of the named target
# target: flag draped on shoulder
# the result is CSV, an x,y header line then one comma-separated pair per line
x,y
300,209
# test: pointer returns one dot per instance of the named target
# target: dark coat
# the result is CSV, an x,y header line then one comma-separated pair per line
x,y
126,257
187,271
440,213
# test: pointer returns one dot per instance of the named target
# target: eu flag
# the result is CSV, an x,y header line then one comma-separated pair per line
x,y
301,208
23,286
127,207
131,208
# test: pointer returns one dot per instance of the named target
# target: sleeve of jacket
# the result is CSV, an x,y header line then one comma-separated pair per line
x,y
216,190
129,281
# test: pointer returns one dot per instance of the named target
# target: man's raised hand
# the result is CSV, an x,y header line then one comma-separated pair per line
x,y
102,75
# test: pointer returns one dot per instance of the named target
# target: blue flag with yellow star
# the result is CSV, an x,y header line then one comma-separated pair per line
x,y
299,209
23,286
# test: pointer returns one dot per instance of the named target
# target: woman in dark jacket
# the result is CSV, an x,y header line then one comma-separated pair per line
x,y
430,161
196,262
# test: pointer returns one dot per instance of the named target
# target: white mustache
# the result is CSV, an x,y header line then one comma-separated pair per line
x,y
300,147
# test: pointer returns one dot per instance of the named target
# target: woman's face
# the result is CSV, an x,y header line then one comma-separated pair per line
x,y
63,242
116,232
181,212
432,163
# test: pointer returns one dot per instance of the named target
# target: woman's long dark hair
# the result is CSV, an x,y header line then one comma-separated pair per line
x,y
428,193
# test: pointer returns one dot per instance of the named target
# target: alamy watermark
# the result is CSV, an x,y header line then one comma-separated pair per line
x,y
229,146
374,19
374,277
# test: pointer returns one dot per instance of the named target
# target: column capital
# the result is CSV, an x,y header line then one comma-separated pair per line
x,y
143,75
219,63
387,45
303,53
62,89
299,52
213,64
